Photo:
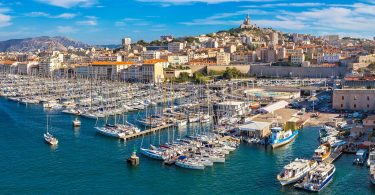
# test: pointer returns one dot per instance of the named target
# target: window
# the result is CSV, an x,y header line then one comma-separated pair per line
x,y
368,106
355,105
368,98
342,105
342,97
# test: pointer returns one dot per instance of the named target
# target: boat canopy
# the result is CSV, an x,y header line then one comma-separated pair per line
x,y
181,157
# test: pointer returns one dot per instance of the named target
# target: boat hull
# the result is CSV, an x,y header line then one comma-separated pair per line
x,y
106,133
187,166
285,141
285,182
152,155
323,185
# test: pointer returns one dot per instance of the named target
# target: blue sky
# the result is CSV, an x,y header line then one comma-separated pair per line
x,y
106,21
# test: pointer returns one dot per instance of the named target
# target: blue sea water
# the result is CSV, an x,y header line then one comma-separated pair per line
x,y
87,163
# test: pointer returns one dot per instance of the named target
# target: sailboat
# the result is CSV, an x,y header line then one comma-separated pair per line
x,y
49,138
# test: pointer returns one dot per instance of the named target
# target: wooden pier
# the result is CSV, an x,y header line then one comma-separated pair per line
x,y
146,132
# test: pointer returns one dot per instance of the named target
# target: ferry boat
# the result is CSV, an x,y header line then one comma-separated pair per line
x,y
50,139
318,178
188,163
295,171
360,157
322,152
280,137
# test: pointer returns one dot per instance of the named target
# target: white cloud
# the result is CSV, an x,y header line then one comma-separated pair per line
x,y
66,29
120,24
69,3
66,16
5,19
176,2
91,21
353,19
306,4
47,15
221,19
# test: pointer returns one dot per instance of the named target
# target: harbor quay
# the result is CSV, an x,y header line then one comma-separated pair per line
x,y
224,115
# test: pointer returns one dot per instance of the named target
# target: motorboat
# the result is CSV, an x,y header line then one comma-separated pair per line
x,y
360,157
280,137
322,152
318,178
76,122
295,171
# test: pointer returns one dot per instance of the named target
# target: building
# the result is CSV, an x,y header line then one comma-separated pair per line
x,y
369,122
367,81
107,70
163,63
178,60
329,57
152,72
268,55
50,62
133,73
354,99
231,108
175,73
167,38
28,68
126,41
175,47
274,36
362,61
246,23
255,129
149,55
222,58
297,59
243,57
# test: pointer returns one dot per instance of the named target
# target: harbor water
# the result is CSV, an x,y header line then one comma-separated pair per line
x,y
88,163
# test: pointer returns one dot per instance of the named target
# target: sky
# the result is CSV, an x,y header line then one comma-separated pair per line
x,y
107,21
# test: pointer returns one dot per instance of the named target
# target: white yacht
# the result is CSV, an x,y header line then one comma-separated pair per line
x,y
110,131
318,178
152,152
295,171
189,163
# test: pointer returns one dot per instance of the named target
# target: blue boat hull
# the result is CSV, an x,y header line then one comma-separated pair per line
x,y
279,143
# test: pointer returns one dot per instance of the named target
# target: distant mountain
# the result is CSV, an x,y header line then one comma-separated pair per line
x,y
42,43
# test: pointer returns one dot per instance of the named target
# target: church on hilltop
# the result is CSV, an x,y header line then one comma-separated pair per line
x,y
246,23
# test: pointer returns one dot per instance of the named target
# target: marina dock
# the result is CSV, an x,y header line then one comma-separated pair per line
x,y
146,132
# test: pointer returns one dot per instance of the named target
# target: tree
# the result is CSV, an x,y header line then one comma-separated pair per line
x,y
200,78
184,77
231,73
142,42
